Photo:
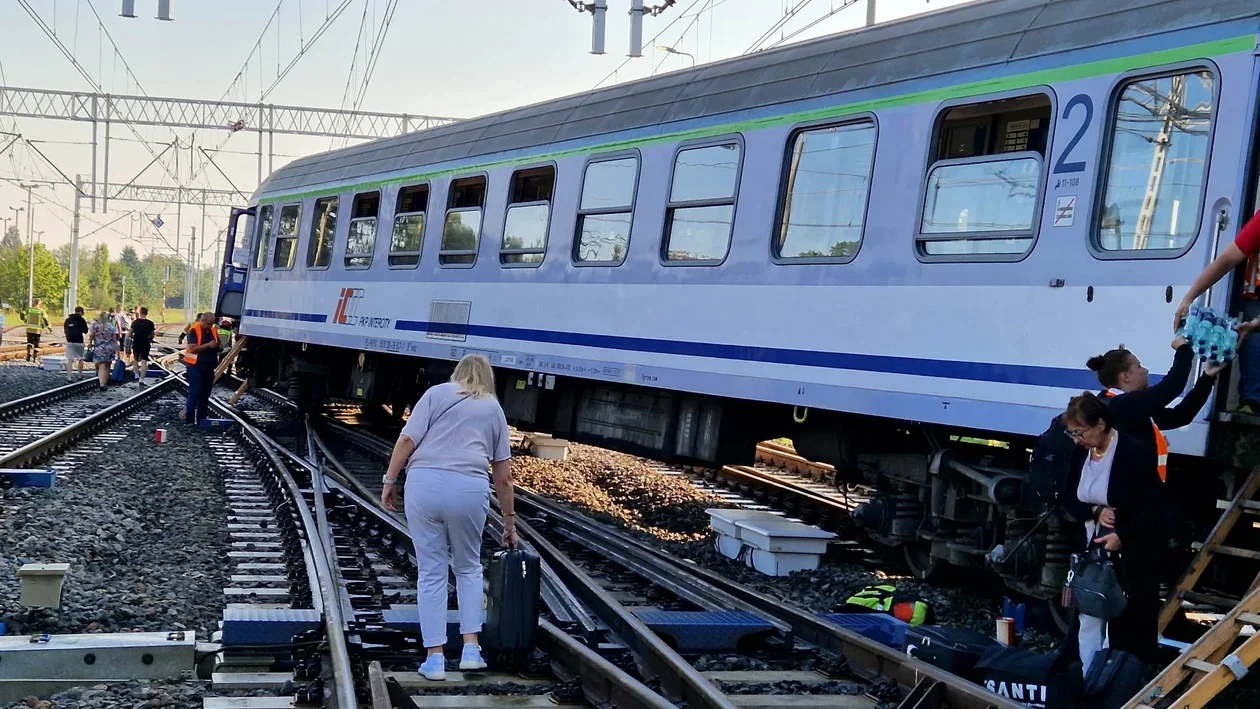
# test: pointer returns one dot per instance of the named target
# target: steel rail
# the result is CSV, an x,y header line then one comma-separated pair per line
x,y
565,608
343,692
12,354
43,398
36,450
867,658
603,683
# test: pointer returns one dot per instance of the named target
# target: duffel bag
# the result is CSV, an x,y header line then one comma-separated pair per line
x,y
1037,680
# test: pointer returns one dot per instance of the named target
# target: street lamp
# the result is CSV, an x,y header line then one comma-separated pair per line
x,y
671,50
30,240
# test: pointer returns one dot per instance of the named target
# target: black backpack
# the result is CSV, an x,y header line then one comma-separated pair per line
x,y
1038,681
1051,456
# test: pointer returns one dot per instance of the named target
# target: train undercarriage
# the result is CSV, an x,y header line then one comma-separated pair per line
x,y
948,500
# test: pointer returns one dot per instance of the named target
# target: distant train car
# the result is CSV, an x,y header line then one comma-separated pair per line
x,y
885,244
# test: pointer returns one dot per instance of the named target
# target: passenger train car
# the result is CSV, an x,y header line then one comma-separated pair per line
x,y
891,245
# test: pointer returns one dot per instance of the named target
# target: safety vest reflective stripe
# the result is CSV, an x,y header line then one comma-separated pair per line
x,y
1161,445
34,320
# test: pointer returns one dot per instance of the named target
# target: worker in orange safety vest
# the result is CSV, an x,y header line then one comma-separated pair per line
x,y
201,355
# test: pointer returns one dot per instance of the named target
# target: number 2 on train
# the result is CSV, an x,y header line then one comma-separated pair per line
x,y
1062,165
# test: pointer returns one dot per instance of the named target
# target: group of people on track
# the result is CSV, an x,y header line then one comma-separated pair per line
x,y
111,335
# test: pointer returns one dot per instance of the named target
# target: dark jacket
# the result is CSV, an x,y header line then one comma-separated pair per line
x,y
1144,514
1134,411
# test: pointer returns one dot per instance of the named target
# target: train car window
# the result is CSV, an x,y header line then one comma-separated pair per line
x,y
984,182
286,236
701,206
1157,163
323,232
605,211
408,235
528,215
263,242
981,207
362,240
823,208
462,228
1010,125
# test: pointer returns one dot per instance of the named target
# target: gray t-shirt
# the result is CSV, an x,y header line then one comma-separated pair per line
x,y
470,435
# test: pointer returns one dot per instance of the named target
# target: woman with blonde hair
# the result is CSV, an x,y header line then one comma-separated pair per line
x,y
454,433
104,343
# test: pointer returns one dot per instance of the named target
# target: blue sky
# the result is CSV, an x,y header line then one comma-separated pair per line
x,y
458,58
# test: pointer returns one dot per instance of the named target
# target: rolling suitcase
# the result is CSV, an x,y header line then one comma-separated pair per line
x,y
512,608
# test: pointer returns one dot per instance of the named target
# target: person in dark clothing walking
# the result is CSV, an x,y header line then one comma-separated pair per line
x,y
1142,410
1114,491
75,327
201,355
141,337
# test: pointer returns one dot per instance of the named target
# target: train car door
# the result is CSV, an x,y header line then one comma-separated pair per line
x,y
231,296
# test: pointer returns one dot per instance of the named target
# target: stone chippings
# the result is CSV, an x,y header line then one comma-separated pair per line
x,y
139,694
22,379
621,488
143,527
668,510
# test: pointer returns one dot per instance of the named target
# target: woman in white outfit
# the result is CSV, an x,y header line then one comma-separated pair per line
x,y
455,432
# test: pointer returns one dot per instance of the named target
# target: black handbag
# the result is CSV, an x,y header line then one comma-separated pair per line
x,y
1093,586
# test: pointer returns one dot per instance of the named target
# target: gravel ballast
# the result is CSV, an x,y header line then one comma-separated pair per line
x,y
622,488
21,379
141,524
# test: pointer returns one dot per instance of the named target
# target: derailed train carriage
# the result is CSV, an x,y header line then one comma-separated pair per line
x,y
896,246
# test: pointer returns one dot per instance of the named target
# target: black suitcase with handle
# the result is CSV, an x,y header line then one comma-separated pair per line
x,y
955,650
512,608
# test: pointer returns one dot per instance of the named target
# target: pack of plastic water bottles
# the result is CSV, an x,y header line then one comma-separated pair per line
x,y
1213,336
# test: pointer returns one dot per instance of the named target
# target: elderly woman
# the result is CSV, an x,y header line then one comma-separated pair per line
x,y
104,338
454,433
1113,489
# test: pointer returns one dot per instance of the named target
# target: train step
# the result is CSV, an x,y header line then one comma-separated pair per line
x,y
704,631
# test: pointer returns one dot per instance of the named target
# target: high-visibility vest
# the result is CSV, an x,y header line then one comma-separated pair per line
x,y
886,599
34,320
1161,444
190,357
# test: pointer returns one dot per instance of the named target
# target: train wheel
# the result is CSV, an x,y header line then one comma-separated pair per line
x,y
923,565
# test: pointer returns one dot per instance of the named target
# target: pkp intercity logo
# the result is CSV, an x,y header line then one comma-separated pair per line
x,y
346,305
346,312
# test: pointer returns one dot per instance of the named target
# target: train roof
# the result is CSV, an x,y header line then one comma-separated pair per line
x,y
974,36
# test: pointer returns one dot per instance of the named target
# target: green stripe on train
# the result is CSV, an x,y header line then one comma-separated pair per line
x,y
1245,43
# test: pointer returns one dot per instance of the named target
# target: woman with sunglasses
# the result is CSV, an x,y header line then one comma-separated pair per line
x,y
1113,489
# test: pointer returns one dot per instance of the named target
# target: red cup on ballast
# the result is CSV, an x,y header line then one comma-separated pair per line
x,y
160,435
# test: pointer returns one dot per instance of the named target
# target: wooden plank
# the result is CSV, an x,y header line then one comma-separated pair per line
x,y
1222,602
1230,551
1195,570
1200,665
1248,506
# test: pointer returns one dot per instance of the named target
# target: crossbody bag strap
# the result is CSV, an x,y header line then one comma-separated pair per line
x,y
434,420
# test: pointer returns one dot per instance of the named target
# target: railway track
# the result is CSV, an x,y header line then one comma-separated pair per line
x,y
593,577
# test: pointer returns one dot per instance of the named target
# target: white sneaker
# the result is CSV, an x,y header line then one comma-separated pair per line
x,y
471,658
434,667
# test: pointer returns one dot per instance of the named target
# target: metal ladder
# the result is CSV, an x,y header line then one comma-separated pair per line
x,y
1242,504
1209,663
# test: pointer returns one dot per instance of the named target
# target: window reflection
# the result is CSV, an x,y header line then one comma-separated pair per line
x,y
829,178
459,237
609,184
323,229
286,236
705,173
702,203
525,233
264,236
361,242
1158,164
973,198
408,236
604,237
700,233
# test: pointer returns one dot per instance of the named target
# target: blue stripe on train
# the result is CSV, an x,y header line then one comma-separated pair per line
x,y
1057,377
282,315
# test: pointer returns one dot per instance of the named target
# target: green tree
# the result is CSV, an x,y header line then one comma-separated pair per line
x,y
12,239
50,278
94,290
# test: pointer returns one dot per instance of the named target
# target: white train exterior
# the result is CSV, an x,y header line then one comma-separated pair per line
x,y
875,243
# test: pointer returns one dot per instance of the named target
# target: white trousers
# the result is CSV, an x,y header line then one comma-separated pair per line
x,y
446,513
